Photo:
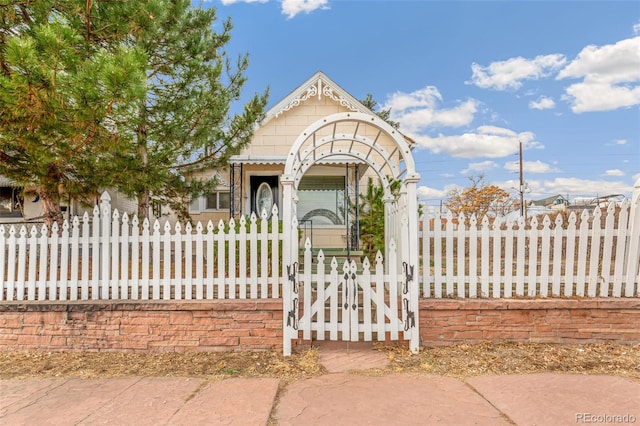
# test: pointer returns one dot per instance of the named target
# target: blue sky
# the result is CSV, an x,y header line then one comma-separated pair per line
x,y
469,80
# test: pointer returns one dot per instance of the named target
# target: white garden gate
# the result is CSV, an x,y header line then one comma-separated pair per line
x,y
341,302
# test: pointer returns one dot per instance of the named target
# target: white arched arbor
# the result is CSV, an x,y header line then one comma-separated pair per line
x,y
356,137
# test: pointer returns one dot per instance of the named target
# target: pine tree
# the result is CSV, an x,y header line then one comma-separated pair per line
x,y
66,76
127,95
184,123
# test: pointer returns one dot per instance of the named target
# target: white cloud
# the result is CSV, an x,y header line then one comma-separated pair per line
x,y
509,74
293,7
576,186
542,103
614,172
636,29
486,141
610,77
228,2
620,142
480,167
417,111
530,167
426,193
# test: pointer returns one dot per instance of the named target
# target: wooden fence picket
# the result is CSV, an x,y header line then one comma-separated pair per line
x,y
33,260
508,265
606,251
485,256
460,258
22,262
176,283
570,256
532,284
43,252
115,257
557,256
221,260
473,257
520,253
64,259
86,255
583,239
232,259
166,262
545,243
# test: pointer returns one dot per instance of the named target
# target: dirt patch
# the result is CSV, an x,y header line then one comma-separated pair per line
x,y
456,361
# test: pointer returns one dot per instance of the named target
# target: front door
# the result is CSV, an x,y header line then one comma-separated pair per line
x,y
264,194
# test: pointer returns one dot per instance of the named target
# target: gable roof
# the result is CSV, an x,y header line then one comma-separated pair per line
x,y
546,201
317,85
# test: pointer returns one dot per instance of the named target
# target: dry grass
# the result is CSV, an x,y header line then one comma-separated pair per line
x,y
467,360
455,361
209,365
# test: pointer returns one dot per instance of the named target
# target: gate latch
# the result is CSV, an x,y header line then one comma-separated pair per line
x,y
292,315
408,276
410,320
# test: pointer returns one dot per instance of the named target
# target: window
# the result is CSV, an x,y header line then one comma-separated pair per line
x,y
194,205
9,203
218,200
321,199
264,198
156,208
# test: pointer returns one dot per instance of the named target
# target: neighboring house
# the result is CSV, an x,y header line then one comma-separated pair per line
x,y
589,204
252,181
557,202
16,207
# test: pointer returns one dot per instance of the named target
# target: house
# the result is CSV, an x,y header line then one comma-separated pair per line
x,y
14,207
18,206
252,183
327,194
556,202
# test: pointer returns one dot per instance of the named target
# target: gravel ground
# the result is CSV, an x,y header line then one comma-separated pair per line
x,y
456,361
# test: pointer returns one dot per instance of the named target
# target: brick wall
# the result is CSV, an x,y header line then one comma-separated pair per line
x,y
446,322
234,325
142,327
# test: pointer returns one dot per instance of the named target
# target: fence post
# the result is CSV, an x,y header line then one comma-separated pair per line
x,y
105,221
633,250
288,331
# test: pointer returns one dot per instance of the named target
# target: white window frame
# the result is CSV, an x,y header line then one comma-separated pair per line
x,y
199,205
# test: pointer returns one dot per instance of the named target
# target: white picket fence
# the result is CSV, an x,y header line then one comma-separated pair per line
x,y
534,259
108,256
112,257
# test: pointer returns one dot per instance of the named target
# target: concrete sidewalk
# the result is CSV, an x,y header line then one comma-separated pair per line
x,y
337,398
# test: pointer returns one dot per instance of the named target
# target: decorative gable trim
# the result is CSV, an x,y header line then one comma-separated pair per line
x,y
318,85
